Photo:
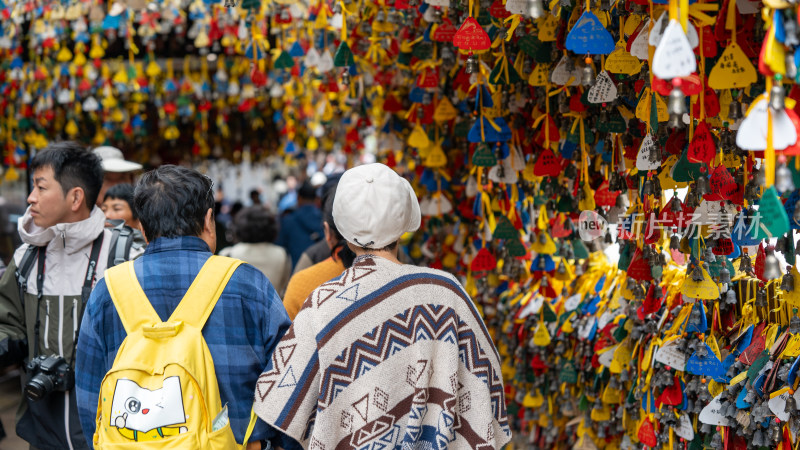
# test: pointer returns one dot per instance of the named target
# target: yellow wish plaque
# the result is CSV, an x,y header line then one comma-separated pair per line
x,y
705,289
541,337
445,111
418,138
622,62
539,75
733,70
548,25
436,158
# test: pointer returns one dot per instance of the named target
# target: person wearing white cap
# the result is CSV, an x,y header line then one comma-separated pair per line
x,y
116,169
386,353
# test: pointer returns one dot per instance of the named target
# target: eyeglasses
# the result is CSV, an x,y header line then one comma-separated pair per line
x,y
210,191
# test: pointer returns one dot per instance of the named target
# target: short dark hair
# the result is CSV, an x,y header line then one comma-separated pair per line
x,y
255,224
307,191
340,249
124,192
172,201
73,166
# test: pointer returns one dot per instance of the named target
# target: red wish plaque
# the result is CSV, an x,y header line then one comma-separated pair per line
x,y
470,36
445,31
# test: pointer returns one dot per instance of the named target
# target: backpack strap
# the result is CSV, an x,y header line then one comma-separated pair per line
x,y
250,427
133,307
202,296
121,242
23,272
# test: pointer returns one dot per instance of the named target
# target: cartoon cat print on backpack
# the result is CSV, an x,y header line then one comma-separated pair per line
x,y
141,414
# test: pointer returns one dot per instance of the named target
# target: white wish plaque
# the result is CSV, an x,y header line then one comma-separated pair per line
x,y
685,429
604,89
606,358
586,329
640,47
674,57
643,159
671,355
572,303
658,29
561,75
516,6
778,404
752,133
712,415
312,58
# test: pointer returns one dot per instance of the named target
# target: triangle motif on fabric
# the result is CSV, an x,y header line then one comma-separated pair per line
x,y
350,294
288,379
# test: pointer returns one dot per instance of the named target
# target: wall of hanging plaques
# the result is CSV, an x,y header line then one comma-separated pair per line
x,y
613,181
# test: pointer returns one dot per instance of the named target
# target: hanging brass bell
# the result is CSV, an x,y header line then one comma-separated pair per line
x,y
647,189
587,75
791,405
772,268
674,242
697,273
734,110
783,178
730,297
675,205
745,265
761,298
787,282
791,69
777,97
471,65
791,35
724,275
794,322
701,186
535,9
676,107
691,199
675,121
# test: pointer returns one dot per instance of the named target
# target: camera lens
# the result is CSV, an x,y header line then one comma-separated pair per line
x,y
38,387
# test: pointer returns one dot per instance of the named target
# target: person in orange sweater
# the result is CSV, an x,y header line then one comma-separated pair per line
x,y
303,283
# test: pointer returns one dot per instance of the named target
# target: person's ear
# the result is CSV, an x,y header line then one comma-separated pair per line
x,y
210,225
144,235
210,231
76,198
327,229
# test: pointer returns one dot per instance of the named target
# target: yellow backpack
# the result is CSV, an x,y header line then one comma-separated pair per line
x,y
161,391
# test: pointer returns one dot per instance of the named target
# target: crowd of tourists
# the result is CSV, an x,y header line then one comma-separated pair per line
x,y
132,328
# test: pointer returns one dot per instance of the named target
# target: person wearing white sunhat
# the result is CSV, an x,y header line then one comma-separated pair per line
x,y
386,353
117,170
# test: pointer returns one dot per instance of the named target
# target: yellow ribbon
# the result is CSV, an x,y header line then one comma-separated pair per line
x,y
769,153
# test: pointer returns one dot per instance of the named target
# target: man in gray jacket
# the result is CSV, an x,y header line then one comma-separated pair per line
x,y
43,292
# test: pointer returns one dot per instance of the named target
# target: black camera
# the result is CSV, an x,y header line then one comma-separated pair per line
x,y
48,374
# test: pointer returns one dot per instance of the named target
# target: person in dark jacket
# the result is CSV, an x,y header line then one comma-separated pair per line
x,y
302,227
41,317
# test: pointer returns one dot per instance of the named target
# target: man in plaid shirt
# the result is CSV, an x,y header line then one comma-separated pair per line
x,y
175,206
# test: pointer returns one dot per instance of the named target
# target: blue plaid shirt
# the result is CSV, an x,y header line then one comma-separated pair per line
x,y
241,333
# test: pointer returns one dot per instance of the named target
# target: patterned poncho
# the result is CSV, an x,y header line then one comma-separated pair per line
x,y
386,356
